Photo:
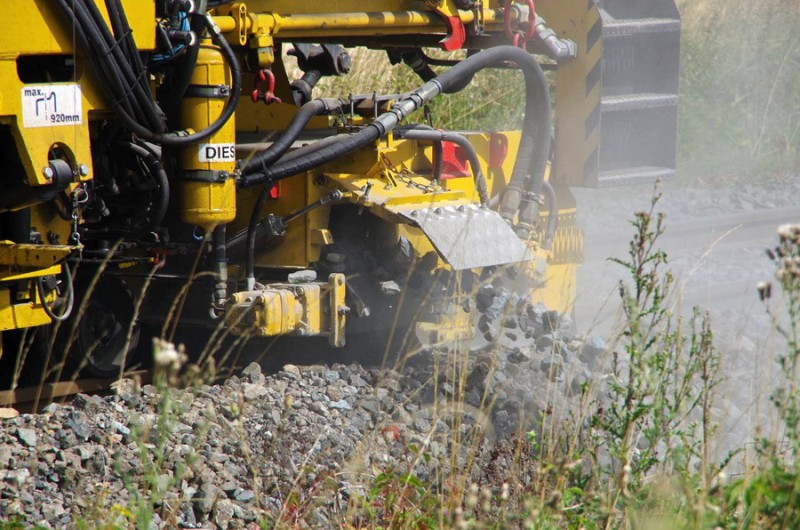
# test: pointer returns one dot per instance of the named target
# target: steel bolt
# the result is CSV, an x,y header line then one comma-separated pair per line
x,y
83,169
48,172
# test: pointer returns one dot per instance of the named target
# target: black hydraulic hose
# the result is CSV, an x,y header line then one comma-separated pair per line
x,y
133,79
438,154
535,132
124,35
262,160
252,226
415,60
70,301
248,181
319,157
310,148
430,135
184,70
157,171
113,82
534,146
105,56
109,61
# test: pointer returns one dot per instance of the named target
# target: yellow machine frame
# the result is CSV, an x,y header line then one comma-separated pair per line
x,y
63,164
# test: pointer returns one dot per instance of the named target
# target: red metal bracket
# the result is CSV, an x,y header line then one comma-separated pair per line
x,y
456,33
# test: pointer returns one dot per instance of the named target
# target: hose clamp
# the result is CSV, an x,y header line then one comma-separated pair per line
x,y
208,91
531,196
204,175
212,26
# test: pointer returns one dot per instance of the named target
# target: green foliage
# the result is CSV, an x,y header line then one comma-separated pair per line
x,y
769,495
661,376
739,107
17,523
492,101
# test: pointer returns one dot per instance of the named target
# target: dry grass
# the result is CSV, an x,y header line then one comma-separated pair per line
x,y
740,108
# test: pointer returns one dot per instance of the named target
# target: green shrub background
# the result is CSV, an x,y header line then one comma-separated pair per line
x,y
740,89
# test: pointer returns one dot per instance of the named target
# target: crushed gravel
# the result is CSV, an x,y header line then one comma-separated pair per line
x,y
261,445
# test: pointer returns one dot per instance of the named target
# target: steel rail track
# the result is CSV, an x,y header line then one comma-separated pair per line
x,y
33,398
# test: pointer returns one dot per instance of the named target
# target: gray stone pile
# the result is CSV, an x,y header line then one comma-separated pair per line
x,y
304,442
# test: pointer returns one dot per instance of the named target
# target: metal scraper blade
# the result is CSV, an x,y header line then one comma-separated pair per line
x,y
468,236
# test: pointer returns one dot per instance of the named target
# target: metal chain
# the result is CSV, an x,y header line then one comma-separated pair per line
x,y
79,198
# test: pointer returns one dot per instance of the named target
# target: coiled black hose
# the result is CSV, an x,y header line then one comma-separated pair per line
x,y
70,300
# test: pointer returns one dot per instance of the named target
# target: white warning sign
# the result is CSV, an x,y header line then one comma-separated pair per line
x,y
51,105
216,153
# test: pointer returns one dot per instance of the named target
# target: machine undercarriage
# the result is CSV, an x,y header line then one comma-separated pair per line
x,y
164,174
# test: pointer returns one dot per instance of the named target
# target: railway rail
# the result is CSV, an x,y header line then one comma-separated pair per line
x,y
33,398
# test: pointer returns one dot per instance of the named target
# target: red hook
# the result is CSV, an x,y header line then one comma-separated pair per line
x,y
517,38
267,96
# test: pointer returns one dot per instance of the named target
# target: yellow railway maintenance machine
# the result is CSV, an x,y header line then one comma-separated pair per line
x,y
162,172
